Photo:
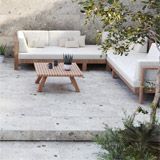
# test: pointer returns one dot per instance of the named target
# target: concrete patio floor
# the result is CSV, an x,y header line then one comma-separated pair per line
x,y
59,113
48,151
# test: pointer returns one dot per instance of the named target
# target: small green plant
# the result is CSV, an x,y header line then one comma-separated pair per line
x,y
2,49
68,59
133,142
149,85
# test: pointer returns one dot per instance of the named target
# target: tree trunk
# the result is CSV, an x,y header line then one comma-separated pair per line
x,y
157,91
156,100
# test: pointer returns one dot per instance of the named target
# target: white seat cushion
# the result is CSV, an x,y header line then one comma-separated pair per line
x,y
88,52
36,39
55,36
127,66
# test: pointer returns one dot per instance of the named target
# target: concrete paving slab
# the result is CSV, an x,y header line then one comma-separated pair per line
x,y
59,113
48,151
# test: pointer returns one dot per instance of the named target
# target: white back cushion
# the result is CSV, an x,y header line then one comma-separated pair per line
x,y
153,53
23,48
140,48
134,48
36,39
55,36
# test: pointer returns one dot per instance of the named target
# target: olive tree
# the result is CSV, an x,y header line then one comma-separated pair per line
x,y
127,22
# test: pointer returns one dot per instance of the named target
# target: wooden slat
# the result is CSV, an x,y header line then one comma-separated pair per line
x,y
42,70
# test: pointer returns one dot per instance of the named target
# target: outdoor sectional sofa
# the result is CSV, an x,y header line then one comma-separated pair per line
x,y
43,46
136,68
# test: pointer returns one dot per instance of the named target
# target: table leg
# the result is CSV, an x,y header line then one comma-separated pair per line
x,y
38,79
74,83
41,84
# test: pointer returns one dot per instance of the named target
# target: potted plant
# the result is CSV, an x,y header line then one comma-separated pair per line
x,y
2,52
67,61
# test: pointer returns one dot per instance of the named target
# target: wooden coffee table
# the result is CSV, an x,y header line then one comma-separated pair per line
x,y
43,72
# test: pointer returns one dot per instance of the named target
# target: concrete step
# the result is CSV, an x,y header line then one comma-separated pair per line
x,y
48,151
53,128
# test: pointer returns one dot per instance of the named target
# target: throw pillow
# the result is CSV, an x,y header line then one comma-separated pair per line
x,y
81,41
62,42
71,38
72,44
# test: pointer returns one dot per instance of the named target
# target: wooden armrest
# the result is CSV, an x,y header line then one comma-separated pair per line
x,y
16,52
16,46
143,70
142,81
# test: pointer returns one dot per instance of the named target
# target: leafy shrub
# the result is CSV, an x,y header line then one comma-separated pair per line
x,y
134,142
2,49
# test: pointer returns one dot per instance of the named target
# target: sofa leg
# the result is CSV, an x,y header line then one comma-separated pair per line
x,y
114,74
107,67
141,95
84,66
15,65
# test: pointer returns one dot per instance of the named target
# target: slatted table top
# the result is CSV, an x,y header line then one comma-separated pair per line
x,y
42,70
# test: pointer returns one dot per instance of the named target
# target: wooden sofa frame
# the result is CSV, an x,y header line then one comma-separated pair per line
x,y
136,90
18,61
